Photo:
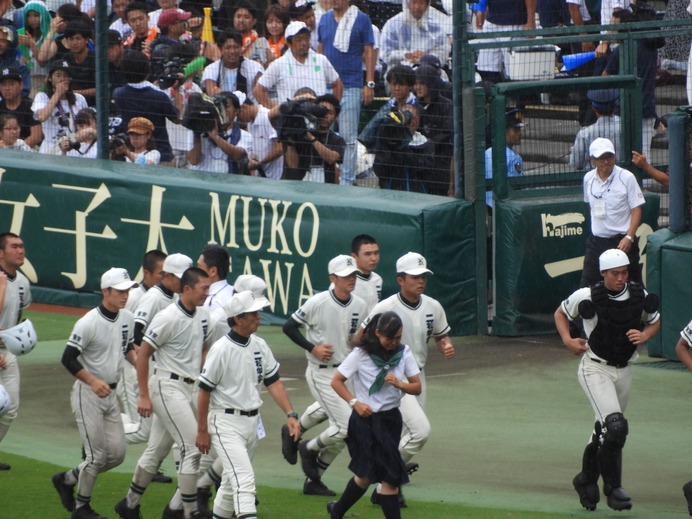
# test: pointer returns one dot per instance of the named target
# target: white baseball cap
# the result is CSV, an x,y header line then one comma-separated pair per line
x,y
254,284
117,278
342,266
412,263
244,302
240,96
612,258
294,28
176,264
20,339
600,146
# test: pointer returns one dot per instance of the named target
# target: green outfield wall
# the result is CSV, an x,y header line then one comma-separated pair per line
x,y
79,217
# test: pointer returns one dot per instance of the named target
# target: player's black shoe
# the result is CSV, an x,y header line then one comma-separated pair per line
x,y
308,461
160,477
619,499
127,513
687,489
289,448
412,467
330,510
375,498
316,488
589,495
203,497
169,513
4,466
86,512
65,491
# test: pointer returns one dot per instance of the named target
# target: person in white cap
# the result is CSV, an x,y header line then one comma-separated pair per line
x,y
423,317
177,335
615,201
15,296
97,346
229,402
331,318
618,315
299,67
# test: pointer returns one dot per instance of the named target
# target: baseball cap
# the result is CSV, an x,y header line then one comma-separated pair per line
x,y
173,15
114,37
240,96
299,8
430,59
176,264
342,266
412,263
601,146
603,98
117,278
612,258
254,284
9,33
59,64
10,73
244,302
140,126
514,118
294,28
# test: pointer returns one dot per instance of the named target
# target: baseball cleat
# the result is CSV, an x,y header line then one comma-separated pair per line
x,y
289,447
316,488
86,512
589,495
330,510
127,513
619,499
687,489
169,513
203,497
412,467
308,461
375,498
4,466
160,477
65,491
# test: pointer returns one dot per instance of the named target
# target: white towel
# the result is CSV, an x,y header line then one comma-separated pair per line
x,y
342,38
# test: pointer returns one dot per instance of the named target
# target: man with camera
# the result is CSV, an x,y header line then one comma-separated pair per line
x,y
172,25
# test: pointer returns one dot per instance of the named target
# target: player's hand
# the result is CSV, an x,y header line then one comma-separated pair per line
x,y
636,336
3,362
446,348
101,389
362,409
203,441
323,352
293,428
577,346
144,407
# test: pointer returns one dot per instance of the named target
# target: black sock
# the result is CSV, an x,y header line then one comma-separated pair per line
x,y
390,506
352,493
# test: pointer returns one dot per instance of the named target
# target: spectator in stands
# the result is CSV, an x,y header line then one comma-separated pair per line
x,y
139,97
244,20
232,72
209,50
53,47
382,10
514,124
604,103
400,82
346,39
659,176
267,151
30,38
416,31
327,146
116,50
142,34
302,11
223,149
119,22
172,25
57,107
14,103
502,15
9,134
142,148
83,143
299,67
8,56
436,125
272,46
82,60
163,5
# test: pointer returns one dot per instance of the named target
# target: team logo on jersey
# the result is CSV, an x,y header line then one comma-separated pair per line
x,y
76,338
429,324
562,225
258,366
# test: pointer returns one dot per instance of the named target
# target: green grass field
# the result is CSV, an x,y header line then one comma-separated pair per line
x,y
509,424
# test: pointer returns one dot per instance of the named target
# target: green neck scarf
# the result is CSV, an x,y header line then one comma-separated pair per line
x,y
384,366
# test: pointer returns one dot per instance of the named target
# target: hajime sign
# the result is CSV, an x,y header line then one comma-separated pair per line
x,y
562,225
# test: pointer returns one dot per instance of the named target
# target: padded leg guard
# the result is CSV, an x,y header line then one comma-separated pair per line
x,y
589,495
687,490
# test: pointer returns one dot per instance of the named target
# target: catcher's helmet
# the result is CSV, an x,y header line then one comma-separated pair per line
x,y
20,339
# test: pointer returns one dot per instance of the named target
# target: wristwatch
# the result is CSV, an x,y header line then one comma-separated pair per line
x,y
370,84
292,414
352,402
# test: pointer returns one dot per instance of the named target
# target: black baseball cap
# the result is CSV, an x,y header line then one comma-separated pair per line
x,y
10,73
59,64
114,37
514,118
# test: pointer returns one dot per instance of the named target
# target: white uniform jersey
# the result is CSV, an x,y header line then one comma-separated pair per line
x,y
686,334
369,288
218,325
17,297
235,368
102,342
427,318
178,338
152,303
329,321
134,297
220,293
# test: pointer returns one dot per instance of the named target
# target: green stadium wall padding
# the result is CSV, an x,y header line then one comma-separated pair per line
x,y
676,291
79,217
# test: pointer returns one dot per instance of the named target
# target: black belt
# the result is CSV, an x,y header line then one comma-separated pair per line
x,y
254,412
611,363
113,385
324,366
178,377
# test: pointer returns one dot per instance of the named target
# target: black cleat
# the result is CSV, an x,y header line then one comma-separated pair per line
x,y
330,510
203,497
619,499
5,466
65,491
86,512
308,461
169,513
289,448
317,488
411,468
687,489
160,477
375,498
589,495
124,512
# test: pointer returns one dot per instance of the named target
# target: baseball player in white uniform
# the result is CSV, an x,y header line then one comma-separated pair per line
x,y
215,261
682,349
423,317
97,346
177,335
618,316
15,295
229,402
331,318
